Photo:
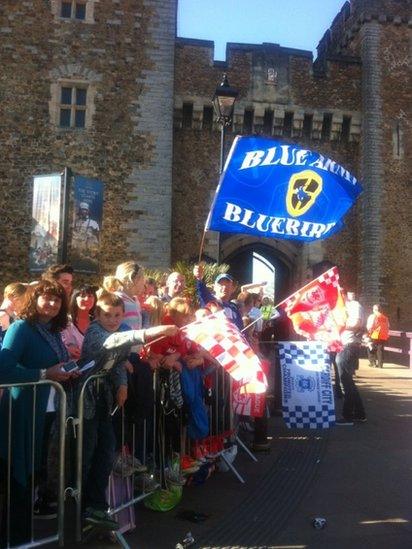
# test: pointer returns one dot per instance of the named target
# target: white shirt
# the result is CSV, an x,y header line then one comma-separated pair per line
x,y
354,322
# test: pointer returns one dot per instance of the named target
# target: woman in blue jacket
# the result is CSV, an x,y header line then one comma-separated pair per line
x,y
32,350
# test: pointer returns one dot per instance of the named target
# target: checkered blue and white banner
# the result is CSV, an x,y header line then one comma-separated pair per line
x,y
307,393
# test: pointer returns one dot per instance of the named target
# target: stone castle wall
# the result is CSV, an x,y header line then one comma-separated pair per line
x,y
125,53
281,108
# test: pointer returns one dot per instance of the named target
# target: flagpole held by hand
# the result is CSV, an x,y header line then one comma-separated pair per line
x,y
273,315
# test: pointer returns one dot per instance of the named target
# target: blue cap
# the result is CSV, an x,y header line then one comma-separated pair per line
x,y
223,276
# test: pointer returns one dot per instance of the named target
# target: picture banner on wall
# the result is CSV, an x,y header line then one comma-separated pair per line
x,y
87,224
46,226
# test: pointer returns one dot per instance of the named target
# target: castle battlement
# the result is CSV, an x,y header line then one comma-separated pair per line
x,y
347,23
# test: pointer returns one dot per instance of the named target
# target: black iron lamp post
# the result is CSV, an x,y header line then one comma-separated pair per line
x,y
224,104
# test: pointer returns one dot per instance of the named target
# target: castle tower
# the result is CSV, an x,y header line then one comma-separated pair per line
x,y
385,38
379,31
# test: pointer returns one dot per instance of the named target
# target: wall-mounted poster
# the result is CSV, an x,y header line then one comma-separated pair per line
x,y
87,224
45,233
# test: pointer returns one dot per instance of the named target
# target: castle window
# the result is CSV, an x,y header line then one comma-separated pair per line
x,y
72,101
397,139
187,115
271,76
248,121
307,126
268,122
73,107
288,124
73,9
207,118
345,135
326,127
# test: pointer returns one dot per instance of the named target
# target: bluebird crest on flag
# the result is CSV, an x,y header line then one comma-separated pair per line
x,y
305,383
280,190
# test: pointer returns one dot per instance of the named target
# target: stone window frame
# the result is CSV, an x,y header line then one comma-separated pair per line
x,y
55,104
56,8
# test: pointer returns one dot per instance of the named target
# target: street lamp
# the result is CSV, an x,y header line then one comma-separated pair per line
x,y
224,104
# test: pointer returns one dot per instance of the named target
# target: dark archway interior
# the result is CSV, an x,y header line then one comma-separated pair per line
x,y
241,267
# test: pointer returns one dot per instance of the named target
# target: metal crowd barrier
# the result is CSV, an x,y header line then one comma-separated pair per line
x,y
82,534
222,423
403,348
60,417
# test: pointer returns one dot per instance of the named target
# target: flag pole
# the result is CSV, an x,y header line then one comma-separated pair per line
x,y
202,243
254,322
162,337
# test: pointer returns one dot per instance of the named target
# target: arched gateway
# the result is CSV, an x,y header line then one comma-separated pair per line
x,y
280,260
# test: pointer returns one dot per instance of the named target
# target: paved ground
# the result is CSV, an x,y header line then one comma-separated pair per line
x,y
359,478
364,485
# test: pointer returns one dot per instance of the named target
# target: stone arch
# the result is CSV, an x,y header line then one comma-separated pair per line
x,y
284,255
74,70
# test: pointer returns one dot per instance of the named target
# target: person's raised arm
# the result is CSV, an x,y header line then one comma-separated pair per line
x,y
204,295
132,337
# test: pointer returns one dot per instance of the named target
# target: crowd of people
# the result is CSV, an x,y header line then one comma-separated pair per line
x,y
53,329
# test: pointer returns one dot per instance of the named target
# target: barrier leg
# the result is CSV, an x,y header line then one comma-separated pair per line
x,y
121,540
232,468
246,449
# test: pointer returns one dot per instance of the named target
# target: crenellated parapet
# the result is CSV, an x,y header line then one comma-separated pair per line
x,y
339,39
280,93
291,121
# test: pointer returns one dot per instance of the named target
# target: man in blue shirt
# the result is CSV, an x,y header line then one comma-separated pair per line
x,y
223,289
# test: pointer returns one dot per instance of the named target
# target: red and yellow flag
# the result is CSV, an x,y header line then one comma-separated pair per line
x,y
317,310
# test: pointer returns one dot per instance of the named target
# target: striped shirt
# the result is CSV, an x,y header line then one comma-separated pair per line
x,y
132,311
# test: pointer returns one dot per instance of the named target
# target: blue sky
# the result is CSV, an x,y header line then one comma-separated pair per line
x,y
291,23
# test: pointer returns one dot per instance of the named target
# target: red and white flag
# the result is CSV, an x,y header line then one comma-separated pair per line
x,y
318,311
250,404
223,340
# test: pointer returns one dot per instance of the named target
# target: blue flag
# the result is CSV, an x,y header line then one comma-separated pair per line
x,y
279,190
